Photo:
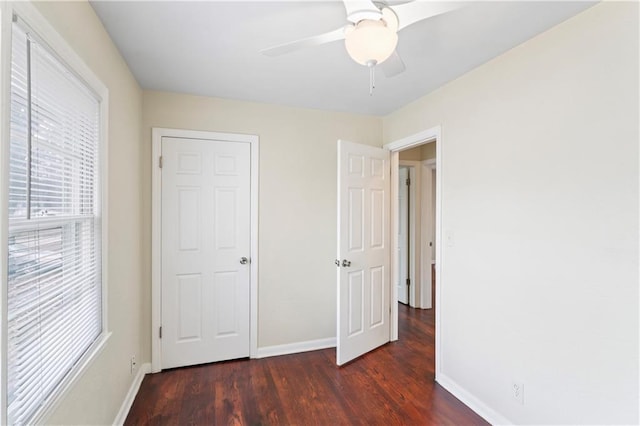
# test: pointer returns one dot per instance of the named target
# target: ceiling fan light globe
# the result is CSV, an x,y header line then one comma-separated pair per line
x,y
370,41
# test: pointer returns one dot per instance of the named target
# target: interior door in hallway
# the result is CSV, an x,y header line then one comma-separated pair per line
x,y
364,254
205,249
402,274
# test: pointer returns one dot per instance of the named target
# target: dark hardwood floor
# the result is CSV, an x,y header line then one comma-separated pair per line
x,y
392,385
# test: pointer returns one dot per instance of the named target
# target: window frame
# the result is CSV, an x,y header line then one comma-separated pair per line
x,y
29,14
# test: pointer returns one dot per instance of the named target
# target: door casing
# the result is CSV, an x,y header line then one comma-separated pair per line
x,y
157,134
421,232
419,236
426,136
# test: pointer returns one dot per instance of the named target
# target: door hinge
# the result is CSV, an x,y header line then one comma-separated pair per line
x,y
408,281
160,162
160,332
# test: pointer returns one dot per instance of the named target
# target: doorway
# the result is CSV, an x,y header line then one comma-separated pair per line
x,y
415,225
431,168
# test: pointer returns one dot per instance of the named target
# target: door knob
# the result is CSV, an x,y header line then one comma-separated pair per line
x,y
244,260
346,263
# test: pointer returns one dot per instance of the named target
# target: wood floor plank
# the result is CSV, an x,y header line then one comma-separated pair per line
x,y
392,385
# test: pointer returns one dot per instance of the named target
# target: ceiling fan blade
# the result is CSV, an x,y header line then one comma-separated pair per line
x,y
392,3
357,10
393,65
415,11
281,49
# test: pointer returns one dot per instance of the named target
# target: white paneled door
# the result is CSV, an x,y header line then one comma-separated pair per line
x,y
205,250
363,249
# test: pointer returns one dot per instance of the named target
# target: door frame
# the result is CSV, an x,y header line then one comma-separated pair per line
x,y
428,231
415,226
426,136
420,232
157,133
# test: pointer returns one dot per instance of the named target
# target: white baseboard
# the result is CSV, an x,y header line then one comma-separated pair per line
x,y
481,409
131,395
293,348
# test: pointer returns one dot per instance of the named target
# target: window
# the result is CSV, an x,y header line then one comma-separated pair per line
x,y
54,284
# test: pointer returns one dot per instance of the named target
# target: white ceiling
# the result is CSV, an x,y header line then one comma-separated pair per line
x,y
213,49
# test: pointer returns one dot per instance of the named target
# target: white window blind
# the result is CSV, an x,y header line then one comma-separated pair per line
x,y
54,266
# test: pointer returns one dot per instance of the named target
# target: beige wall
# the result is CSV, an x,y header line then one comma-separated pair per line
x,y
98,395
297,206
419,153
413,154
540,192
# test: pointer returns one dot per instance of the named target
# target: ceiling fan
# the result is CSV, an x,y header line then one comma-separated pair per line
x,y
370,34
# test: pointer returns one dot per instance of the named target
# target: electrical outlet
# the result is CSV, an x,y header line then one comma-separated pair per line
x,y
133,364
517,389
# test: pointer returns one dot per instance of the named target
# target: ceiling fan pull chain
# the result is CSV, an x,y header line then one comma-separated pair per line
x,y
372,76
371,81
